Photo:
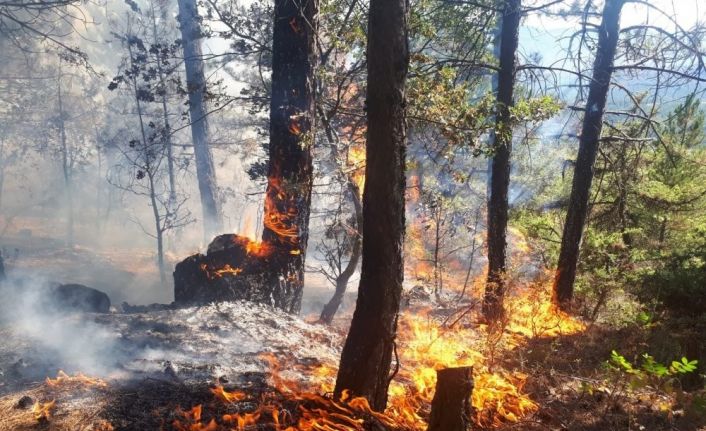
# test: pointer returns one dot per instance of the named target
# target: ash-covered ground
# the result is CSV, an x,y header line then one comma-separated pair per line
x,y
193,344
157,360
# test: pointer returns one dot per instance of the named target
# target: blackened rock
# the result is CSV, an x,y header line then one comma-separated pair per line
x,y
77,297
24,403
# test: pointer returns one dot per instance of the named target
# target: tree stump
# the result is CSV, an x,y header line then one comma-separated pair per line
x,y
451,407
234,268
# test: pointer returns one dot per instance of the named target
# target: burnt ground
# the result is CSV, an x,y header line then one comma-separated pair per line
x,y
160,364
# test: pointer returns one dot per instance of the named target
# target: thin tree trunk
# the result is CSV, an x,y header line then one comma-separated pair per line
x,y
2,169
588,148
292,117
500,165
66,168
437,246
165,119
367,354
159,233
196,86
330,309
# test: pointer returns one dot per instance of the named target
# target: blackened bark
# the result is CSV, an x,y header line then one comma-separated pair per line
x,y
367,354
330,309
190,25
290,171
500,165
451,406
588,148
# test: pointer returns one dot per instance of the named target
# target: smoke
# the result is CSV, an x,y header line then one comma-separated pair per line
x,y
48,337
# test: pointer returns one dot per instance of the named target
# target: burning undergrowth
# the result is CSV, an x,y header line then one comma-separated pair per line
x,y
239,365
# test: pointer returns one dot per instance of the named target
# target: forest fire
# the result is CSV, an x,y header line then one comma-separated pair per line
x,y
425,345
77,381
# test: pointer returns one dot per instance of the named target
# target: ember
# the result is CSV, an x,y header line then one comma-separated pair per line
x,y
220,272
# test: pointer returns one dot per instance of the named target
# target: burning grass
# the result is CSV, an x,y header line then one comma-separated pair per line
x,y
77,381
426,343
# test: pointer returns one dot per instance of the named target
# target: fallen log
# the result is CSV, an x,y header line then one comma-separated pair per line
x,y
451,406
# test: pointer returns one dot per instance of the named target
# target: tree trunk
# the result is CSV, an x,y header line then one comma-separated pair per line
x,y
189,21
501,143
332,306
165,119
588,148
290,170
367,354
150,177
2,169
451,406
159,231
437,247
66,167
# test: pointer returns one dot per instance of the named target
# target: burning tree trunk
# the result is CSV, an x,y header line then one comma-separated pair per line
x,y
588,148
196,86
500,165
290,172
271,271
367,354
451,406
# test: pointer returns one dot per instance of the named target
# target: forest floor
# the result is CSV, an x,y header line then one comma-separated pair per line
x,y
155,367
242,366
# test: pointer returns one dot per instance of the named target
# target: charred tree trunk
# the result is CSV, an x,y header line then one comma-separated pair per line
x,y
189,21
500,165
332,306
451,406
588,148
367,354
290,171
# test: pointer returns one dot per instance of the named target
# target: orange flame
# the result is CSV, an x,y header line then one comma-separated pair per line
x,y
228,397
281,212
220,272
425,345
78,380
193,421
43,411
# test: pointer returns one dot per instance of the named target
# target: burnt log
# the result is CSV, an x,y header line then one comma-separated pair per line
x,y
451,406
77,297
233,268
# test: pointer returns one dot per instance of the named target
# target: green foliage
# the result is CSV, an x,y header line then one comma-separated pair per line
x,y
650,373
